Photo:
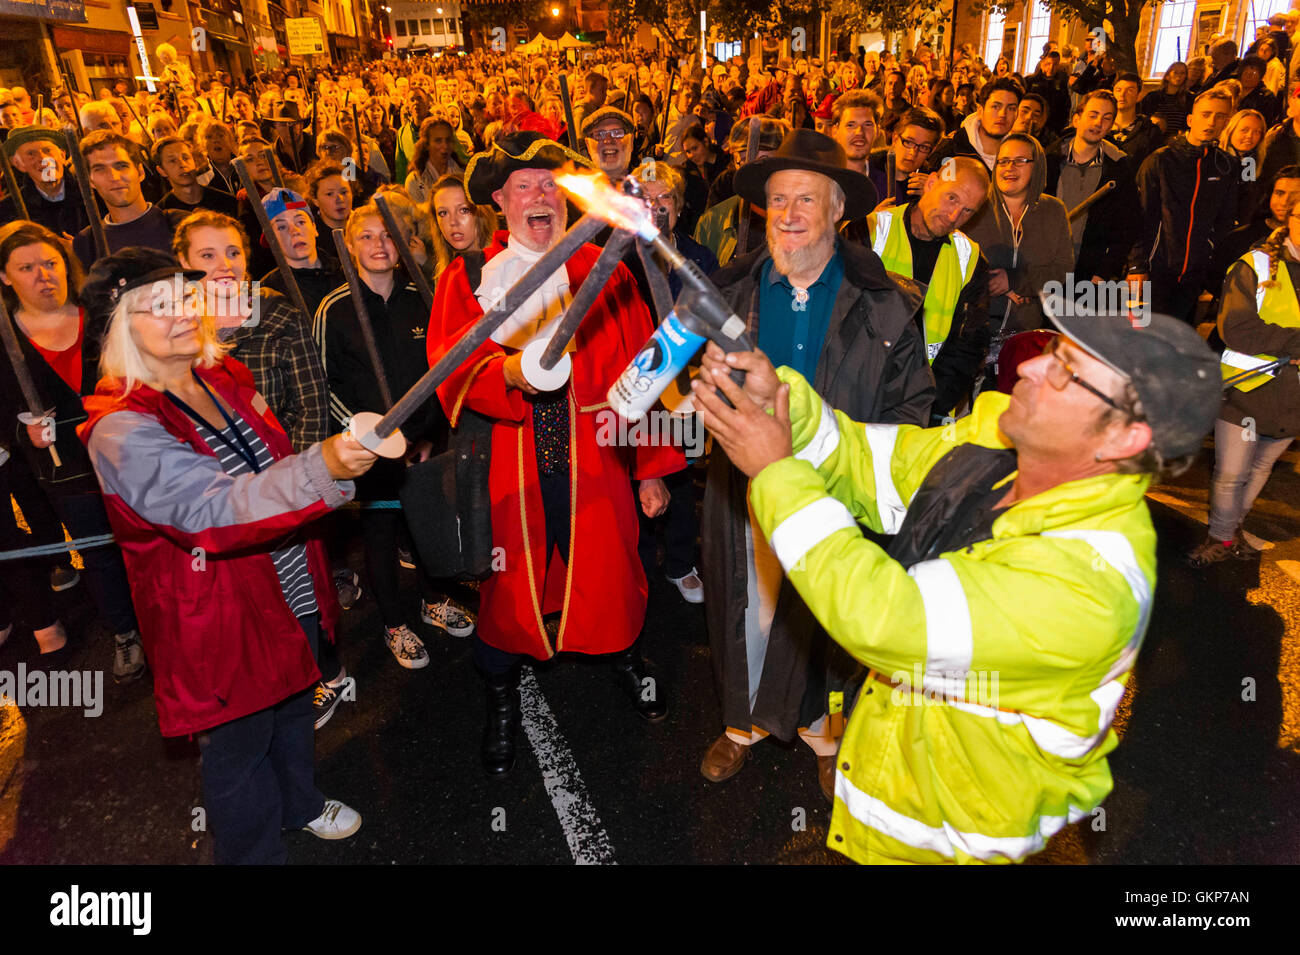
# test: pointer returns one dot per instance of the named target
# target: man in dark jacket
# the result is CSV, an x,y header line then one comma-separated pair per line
x,y
1082,164
52,198
1224,64
132,219
1050,83
982,131
1187,205
829,307
1132,132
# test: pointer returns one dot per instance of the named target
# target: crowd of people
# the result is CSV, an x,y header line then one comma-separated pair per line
x,y
882,225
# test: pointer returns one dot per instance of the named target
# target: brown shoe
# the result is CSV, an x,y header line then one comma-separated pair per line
x,y
1209,552
724,759
826,775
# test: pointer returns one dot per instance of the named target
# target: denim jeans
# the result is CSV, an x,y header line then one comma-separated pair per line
x,y
1241,469
259,777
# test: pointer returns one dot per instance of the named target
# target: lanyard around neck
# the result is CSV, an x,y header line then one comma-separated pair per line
x,y
240,445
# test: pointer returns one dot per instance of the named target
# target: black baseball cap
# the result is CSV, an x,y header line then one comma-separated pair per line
x,y
1172,369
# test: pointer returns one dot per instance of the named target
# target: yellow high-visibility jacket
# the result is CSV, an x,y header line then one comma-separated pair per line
x,y
1008,659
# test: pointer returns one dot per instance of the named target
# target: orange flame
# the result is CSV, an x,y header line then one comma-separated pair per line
x,y
593,193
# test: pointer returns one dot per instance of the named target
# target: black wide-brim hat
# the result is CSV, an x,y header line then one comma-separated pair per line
x,y
814,152
489,170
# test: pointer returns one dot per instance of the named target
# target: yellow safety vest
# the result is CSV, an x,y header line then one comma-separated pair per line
x,y
994,729
1277,305
952,270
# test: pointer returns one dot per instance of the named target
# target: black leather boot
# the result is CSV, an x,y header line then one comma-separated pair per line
x,y
498,749
646,693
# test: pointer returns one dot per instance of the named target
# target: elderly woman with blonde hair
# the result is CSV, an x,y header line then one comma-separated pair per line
x,y
217,520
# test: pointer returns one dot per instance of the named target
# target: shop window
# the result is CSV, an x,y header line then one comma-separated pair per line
x,y
994,24
1173,34
1040,31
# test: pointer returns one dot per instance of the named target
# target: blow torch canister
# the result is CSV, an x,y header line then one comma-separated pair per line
x,y
698,316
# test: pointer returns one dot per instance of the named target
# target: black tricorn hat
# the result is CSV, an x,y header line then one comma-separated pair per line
x,y
489,170
815,152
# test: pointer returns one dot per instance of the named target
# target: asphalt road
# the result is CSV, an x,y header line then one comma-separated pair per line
x,y
1202,775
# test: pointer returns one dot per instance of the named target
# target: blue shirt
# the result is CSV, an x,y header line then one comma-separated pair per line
x,y
790,332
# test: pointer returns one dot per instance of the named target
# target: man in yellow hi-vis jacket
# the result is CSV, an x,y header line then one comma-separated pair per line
x,y
1003,623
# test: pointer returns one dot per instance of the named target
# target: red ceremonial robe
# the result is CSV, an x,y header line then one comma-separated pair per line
x,y
601,593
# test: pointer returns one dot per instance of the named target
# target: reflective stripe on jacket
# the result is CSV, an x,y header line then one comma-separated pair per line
x,y
1008,658
1276,304
953,269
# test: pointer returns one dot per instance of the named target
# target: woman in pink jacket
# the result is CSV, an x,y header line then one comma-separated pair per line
x,y
214,516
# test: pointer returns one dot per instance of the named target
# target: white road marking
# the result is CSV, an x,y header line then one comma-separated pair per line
x,y
587,838
1292,568
1197,510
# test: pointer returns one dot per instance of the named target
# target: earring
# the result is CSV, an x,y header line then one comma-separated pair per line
x,y
1097,456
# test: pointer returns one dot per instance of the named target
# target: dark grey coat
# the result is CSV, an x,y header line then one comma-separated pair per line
x,y
872,367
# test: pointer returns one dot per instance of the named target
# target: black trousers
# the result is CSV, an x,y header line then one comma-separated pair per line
x,y
1176,297
84,516
25,582
383,530
681,527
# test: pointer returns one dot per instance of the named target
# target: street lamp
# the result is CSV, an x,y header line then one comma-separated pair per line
x,y
555,11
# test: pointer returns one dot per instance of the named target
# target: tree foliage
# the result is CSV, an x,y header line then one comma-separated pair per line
x,y
484,16
1124,18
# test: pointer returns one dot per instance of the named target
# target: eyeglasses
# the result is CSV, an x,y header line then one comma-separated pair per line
x,y
1060,374
609,135
913,145
1007,163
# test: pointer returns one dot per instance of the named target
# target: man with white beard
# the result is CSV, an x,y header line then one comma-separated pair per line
x,y
827,307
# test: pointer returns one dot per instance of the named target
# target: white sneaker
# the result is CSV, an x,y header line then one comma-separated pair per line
x,y
336,822
457,622
690,587
407,648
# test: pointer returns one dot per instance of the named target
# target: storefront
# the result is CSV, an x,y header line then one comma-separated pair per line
x,y
20,55
105,55
343,48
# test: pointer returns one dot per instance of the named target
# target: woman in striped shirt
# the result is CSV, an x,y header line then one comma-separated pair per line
x,y
218,521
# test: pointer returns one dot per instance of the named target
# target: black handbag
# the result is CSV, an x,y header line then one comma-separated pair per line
x,y
447,503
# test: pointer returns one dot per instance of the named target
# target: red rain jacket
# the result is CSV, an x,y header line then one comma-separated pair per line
x,y
197,544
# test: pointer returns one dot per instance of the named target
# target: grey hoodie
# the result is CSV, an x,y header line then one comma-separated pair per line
x,y
1045,251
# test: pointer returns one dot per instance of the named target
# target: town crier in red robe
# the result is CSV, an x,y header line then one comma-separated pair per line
x,y
564,524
